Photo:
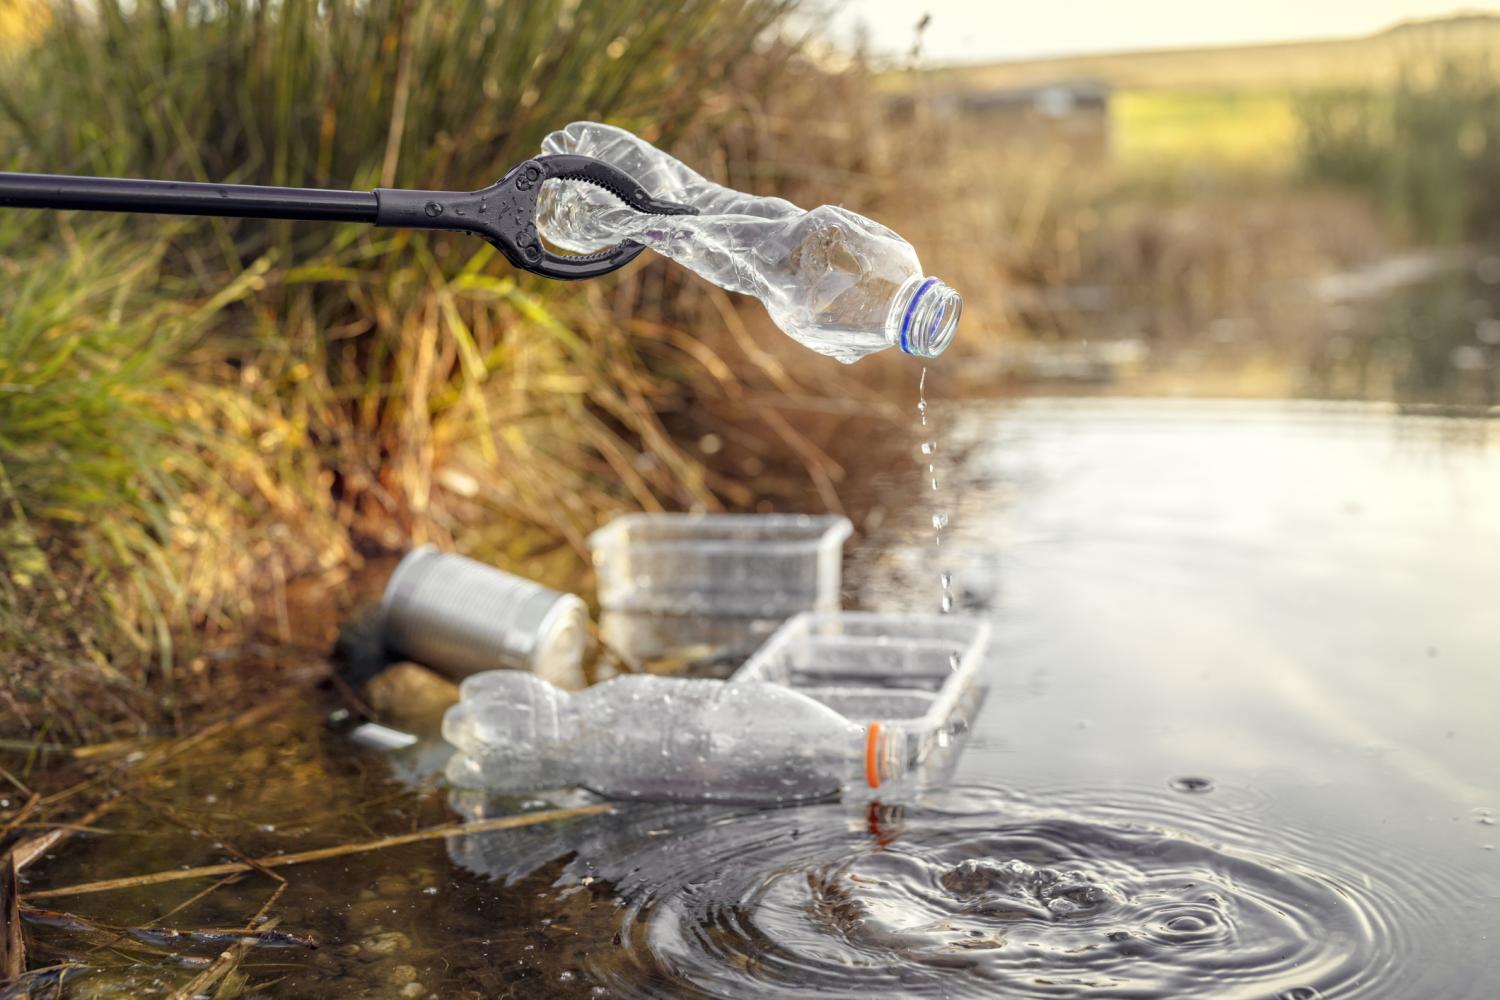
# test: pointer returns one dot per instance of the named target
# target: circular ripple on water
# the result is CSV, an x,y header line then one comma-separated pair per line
x,y
979,894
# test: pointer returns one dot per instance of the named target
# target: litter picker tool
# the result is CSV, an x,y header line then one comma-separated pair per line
x,y
503,213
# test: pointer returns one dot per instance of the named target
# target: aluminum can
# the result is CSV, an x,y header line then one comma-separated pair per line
x,y
459,616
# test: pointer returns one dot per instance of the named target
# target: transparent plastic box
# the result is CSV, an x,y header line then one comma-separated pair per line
x,y
915,672
696,645
735,565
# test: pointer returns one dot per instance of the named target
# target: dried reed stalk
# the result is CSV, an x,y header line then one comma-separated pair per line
x,y
324,853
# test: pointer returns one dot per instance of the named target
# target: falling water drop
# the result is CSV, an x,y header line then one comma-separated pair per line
x,y
939,518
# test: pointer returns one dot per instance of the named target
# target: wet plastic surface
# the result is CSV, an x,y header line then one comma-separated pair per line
x,y
737,565
907,671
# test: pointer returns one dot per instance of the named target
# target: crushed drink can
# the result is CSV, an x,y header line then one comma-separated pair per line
x,y
459,617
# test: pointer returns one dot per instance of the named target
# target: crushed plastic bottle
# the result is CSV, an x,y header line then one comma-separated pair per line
x,y
835,281
649,737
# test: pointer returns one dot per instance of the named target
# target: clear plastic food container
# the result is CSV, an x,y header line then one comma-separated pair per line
x,y
736,565
914,672
686,645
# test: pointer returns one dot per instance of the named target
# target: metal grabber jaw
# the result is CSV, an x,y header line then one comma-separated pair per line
x,y
505,213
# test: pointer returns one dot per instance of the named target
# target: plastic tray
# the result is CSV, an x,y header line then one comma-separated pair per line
x,y
699,645
744,565
909,671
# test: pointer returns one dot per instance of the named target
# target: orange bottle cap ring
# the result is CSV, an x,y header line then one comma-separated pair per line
x,y
872,755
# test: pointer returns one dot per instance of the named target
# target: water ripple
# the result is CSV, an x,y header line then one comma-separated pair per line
x,y
980,893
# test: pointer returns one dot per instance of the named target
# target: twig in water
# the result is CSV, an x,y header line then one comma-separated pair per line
x,y
32,848
26,986
221,883
230,958
324,853
20,785
12,942
170,936
118,772
20,816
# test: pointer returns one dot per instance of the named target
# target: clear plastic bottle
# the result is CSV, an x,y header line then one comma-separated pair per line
x,y
837,282
650,737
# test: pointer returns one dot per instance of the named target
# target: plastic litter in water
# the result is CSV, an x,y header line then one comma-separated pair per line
x,y
836,704
652,737
709,588
460,617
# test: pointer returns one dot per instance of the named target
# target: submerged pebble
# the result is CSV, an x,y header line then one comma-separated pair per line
x,y
388,943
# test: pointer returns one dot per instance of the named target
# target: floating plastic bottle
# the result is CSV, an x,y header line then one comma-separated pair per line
x,y
650,737
837,282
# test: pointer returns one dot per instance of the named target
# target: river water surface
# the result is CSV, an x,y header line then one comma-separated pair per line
x,y
1239,740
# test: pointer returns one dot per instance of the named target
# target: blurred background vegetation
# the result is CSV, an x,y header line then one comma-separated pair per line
x,y
208,427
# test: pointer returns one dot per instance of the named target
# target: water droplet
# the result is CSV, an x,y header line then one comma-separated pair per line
x,y
940,520
929,448
565,976
947,603
1186,923
1190,785
433,209
1299,993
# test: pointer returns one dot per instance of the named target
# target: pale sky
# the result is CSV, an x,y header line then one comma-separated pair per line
x,y
980,30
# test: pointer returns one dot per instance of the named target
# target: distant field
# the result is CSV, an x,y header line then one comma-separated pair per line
x,y
1241,129
1291,65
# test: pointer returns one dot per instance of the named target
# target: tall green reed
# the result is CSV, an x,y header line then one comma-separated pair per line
x,y
311,392
1426,148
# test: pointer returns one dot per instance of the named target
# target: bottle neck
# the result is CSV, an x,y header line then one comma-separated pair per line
x,y
923,317
885,756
